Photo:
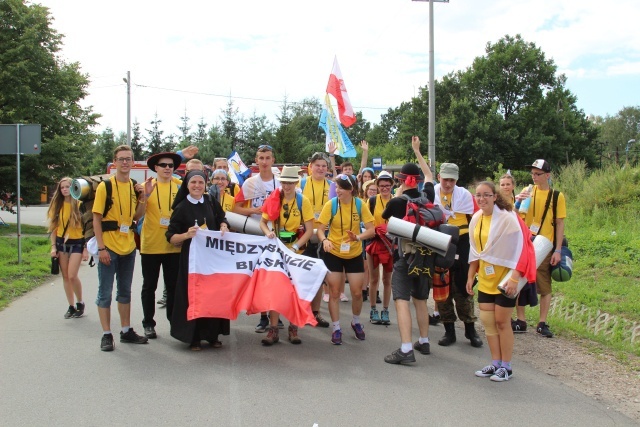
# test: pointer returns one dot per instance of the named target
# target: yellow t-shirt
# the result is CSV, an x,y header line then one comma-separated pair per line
x,y
63,220
228,202
290,218
461,221
377,211
346,218
536,210
488,280
156,219
122,211
317,192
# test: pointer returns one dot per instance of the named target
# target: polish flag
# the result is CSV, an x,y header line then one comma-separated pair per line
x,y
232,273
337,88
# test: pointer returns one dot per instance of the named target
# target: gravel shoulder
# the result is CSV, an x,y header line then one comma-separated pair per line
x,y
586,367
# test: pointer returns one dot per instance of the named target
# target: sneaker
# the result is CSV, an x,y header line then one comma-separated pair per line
x,y
79,310
280,324
543,329
365,295
502,374
519,326
336,337
359,330
400,358
321,322
107,343
70,312
293,335
487,371
374,317
424,348
434,320
378,300
263,325
150,332
384,317
325,297
344,298
162,302
272,336
132,338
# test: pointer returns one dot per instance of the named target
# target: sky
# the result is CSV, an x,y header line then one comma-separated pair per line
x,y
191,57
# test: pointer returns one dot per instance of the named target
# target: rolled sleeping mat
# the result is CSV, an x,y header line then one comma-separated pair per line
x,y
84,188
542,247
244,224
432,239
562,271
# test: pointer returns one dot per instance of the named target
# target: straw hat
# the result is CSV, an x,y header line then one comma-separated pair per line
x,y
289,174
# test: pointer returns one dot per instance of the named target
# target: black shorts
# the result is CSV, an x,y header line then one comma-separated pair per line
x,y
71,246
336,264
404,286
497,299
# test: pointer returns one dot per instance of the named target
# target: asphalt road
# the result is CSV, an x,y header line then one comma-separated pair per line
x,y
52,372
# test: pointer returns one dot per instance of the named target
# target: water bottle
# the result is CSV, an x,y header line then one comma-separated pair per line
x,y
524,206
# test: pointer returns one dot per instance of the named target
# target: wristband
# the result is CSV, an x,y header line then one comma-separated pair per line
x,y
514,280
557,251
332,155
102,249
147,194
295,247
358,238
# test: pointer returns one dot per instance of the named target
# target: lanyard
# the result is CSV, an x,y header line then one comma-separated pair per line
x,y
313,191
158,197
120,201
480,233
341,223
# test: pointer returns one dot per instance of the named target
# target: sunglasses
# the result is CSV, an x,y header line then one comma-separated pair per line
x,y
265,147
344,177
286,210
538,173
165,165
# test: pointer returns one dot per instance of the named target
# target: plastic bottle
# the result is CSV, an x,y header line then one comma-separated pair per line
x,y
524,206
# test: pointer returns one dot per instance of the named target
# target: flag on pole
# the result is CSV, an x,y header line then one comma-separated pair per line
x,y
240,170
335,132
337,88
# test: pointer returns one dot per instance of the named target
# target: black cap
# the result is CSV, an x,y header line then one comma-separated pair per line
x,y
541,164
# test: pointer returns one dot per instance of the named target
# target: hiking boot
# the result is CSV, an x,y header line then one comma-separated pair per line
x,y
400,358
321,322
449,335
344,298
434,320
384,316
293,335
424,348
518,326
150,332
162,302
79,310
543,329
263,325
502,374
374,317
487,371
70,312
132,338
272,336
471,334
359,330
107,343
336,337
280,324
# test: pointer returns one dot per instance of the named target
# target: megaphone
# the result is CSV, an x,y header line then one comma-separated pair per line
x,y
84,188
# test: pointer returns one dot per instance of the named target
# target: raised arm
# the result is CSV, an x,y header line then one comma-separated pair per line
x,y
426,170
365,155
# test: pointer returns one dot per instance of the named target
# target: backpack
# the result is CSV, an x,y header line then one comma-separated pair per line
x,y
303,183
334,209
86,210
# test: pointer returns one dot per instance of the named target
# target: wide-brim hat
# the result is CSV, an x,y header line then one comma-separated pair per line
x,y
289,174
153,160
541,164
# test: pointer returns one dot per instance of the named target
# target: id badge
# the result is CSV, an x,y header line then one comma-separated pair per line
x,y
489,271
164,222
124,229
535,228
345,248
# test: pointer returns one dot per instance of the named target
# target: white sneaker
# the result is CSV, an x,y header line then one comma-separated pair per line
x,y
501,375
344,298
487,371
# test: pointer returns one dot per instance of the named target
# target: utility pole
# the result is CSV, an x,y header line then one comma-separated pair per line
x,y
127,80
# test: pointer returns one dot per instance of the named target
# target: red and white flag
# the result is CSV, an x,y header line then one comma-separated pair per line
x,y
337,88
238,272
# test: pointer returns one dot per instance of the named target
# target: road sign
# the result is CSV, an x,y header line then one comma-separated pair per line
x,y
377,163
30,139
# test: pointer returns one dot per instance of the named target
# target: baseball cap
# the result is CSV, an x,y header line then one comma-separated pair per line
x,y
541,164
449,171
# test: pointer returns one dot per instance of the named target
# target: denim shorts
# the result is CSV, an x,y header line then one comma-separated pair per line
x,y
120,269
71,246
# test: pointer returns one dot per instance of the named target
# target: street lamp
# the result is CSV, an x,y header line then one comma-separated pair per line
x,y
432,90
127,80
629,142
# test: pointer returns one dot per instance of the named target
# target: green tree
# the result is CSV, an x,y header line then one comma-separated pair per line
x,y
137,145
154,139
37,86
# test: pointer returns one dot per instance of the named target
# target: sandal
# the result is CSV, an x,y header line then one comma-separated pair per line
x,y
195,346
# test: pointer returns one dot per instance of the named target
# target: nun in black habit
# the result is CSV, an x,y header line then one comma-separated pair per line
x,y
193,210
